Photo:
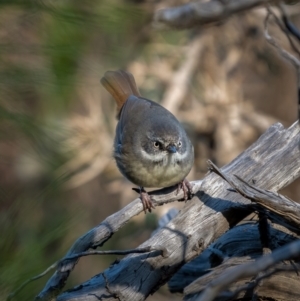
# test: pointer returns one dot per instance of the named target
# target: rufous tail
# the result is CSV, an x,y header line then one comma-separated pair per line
x,y
120,84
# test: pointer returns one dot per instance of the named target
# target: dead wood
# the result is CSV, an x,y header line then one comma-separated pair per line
x,y
97,236
238,245
285,287
202,13
282,206
273,162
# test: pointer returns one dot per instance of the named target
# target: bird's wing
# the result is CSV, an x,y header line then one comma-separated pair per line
x,y
132,113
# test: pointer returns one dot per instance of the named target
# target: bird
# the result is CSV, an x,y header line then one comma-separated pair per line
x,y
151,147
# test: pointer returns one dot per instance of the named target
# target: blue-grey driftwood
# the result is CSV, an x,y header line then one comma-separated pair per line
x,y
272,162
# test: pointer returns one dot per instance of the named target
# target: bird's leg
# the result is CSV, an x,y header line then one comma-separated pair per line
x,y
186,186
145,198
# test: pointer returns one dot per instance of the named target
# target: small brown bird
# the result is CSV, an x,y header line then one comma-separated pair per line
x,y
151,147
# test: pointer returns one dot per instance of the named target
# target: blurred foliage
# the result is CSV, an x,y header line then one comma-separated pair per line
x,y
58,178
44,45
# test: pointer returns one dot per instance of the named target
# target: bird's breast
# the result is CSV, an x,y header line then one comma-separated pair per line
x,y
159,170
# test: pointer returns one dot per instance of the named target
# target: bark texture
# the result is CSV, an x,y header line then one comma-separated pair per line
x,y
272,162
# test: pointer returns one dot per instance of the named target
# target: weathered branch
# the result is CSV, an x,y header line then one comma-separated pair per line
x,y
273,162
274,202
283,276
235,247
100,234
202,13
250,269
179,83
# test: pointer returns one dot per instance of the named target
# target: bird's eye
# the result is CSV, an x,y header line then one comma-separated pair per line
x,y
156,144
179,144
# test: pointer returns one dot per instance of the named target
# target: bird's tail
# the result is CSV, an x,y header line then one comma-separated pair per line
x,y
120,84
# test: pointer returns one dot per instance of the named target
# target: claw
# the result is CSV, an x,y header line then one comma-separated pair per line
x,y
186,186
145,198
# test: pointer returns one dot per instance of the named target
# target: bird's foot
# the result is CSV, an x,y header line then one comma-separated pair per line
x,y
186,186
145,198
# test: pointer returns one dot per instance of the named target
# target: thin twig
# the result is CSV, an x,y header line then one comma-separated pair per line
x,y
50,268
179,82
293,30
295,62
283,27
288,24
109,252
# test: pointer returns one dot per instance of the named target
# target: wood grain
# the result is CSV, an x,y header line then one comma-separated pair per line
x,y
273,162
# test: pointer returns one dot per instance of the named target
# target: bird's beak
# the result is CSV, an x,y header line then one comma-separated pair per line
x,y
171,149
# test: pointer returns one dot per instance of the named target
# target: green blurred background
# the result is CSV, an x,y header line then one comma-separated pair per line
x,y
57,175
